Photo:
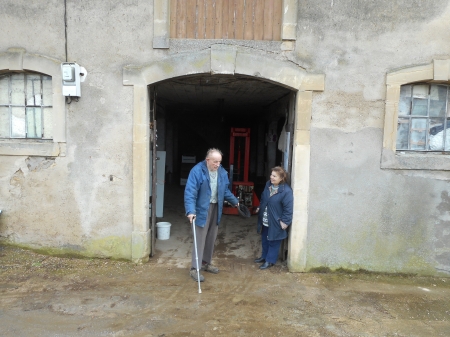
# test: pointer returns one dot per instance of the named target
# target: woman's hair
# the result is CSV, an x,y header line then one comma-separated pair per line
x,y
281,173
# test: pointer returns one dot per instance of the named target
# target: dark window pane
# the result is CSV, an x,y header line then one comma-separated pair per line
x,y
448,102
438,99
18,122
447,136
4,90
4,122
404,105
34,123
48,123
436,134
33,90
402,133
418,134
420,100
420,107
47,90
17,89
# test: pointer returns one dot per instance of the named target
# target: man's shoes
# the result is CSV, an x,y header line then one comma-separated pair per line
x,y
194,275
260,260
266,265
210,268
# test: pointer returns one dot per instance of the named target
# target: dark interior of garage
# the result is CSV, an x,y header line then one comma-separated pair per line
x,y
199,112
196,113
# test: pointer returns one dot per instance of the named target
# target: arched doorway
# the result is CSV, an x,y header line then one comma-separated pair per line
x,y
224,60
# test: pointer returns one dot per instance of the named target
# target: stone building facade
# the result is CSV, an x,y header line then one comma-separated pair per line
x,y
361,86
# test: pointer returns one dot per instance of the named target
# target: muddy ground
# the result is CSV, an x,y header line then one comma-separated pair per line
x,y
51,296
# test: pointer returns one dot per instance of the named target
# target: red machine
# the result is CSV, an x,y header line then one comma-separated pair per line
x,y
242,188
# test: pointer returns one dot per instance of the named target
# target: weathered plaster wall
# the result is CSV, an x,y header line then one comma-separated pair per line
x,y
360,215
37,26
80,203
364,217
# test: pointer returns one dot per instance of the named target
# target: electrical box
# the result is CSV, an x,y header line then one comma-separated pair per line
x,y
72,76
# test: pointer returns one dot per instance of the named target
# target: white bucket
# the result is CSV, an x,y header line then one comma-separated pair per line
x,y
163,230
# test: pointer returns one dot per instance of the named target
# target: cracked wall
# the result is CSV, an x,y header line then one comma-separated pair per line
x,y
360,216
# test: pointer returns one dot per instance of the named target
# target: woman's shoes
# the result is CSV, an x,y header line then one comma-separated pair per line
x,y
260,260
266,265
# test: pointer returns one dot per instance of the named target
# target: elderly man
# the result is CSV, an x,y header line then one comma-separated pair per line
x,y
204,195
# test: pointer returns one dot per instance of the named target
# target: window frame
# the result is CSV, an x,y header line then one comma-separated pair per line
x,y
40,104
436,72
411,117
18,60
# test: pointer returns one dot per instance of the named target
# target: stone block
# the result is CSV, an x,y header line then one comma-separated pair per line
x,y
289,31
392,93
62,149
441,70
140,106
300,167
47,149
287,74
141,133
409,75
43,64
303,121
288,45
161,24
179,65
297,243
140,246
390,125
223,59
406,161
313,82
303,108
140,208
161,42
289,21
302,137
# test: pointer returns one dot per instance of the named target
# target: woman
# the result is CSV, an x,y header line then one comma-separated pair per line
x,y
277,202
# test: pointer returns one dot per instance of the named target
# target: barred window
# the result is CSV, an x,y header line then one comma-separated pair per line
x,y
26,106
424,118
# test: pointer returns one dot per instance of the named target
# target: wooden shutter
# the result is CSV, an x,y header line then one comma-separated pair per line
x,y
226,19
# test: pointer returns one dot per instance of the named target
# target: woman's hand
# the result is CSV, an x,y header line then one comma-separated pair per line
x,y
283,225
257,210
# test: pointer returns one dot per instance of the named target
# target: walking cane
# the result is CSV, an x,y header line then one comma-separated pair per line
x,y
196,255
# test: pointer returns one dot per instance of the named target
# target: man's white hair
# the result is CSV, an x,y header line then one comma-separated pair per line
x,y
211,151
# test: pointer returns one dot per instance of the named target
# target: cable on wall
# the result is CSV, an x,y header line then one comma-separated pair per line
x,y
65,25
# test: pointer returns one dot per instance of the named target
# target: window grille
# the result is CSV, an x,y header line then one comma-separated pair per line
x,y
424,118
26,104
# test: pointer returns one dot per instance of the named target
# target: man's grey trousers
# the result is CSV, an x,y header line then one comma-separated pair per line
x,y
206,237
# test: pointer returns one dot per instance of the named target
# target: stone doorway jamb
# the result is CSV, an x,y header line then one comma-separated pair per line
x,y
228,60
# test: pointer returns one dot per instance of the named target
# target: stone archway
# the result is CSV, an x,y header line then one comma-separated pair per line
x,y
222,59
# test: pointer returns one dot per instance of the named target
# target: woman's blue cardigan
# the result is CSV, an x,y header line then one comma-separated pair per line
x,y
280,207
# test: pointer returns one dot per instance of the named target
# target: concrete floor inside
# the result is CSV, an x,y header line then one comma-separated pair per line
x,y
237,237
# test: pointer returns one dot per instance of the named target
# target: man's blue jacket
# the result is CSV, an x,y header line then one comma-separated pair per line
x,y
197,193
